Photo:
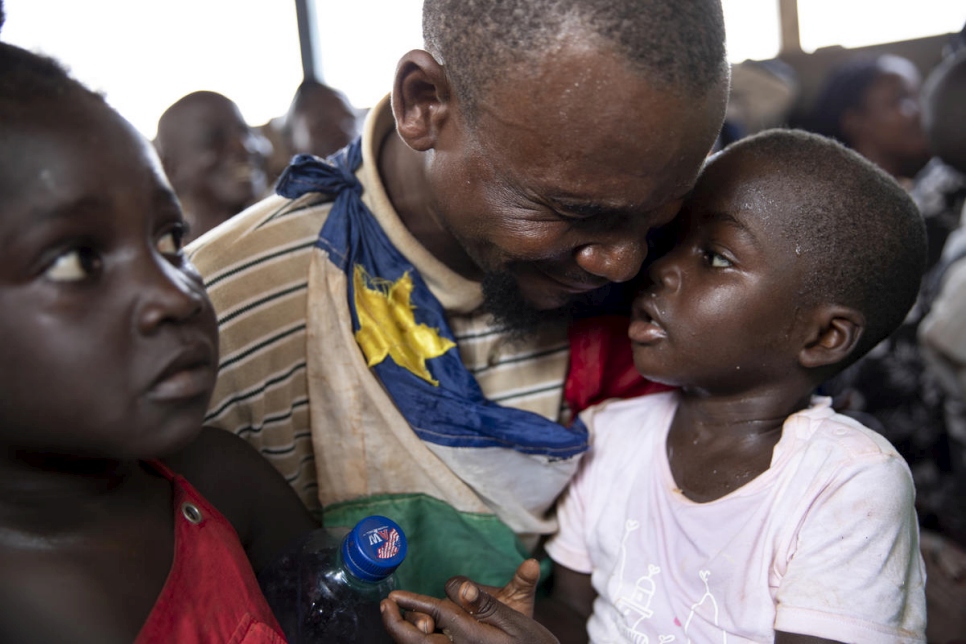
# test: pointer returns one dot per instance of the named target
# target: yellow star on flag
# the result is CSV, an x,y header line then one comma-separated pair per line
x,y
387,325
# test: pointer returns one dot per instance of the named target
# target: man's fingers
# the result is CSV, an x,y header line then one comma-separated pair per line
x,y
522,588
423,622
415,602
406,630
476,601
507,624
456,622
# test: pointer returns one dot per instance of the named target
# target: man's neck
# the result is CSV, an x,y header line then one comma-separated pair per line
x,y
403,173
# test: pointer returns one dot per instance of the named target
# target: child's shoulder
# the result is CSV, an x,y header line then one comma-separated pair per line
x,y
820,444
822,427
650,411
244,487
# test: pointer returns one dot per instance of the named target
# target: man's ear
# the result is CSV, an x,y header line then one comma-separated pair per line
x,y
420,99
833,335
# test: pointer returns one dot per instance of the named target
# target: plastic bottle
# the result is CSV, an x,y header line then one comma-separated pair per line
x,y
328,585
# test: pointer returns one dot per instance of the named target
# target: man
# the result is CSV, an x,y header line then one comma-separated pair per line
x,y
394,329
215,162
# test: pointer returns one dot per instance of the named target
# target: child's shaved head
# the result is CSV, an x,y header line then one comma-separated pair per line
x,y
678,44
861,235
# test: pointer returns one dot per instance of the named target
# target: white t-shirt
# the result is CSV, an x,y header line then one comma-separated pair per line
x,y
823,543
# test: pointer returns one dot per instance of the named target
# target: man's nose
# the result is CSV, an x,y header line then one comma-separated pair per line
x,y
617,260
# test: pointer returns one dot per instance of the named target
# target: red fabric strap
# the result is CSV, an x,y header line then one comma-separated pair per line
x,y
602,364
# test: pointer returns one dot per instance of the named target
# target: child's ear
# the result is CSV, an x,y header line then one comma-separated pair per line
x,y
833,335
420,99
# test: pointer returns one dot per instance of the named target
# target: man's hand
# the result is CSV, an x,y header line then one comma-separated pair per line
x,y
472,613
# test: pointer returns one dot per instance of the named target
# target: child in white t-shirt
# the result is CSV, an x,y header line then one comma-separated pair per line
x,y
740,507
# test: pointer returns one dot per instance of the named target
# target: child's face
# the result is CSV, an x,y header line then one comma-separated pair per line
x,y
720,309
109,343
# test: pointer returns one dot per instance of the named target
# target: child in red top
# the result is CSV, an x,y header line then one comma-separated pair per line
x,y
108,356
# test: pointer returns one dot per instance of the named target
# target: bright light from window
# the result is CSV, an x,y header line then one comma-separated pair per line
x,y
146,55
753,29
857,23
362,62
365,72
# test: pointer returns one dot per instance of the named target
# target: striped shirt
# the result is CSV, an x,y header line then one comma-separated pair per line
x,y
256,266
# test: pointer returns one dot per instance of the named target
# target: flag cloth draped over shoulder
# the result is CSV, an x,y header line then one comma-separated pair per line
x,y
470,482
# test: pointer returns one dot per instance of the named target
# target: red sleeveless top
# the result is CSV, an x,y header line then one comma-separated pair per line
x,y
211,594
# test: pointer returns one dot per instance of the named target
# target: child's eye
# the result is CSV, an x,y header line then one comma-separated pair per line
x,y
74,265
717,261
170,243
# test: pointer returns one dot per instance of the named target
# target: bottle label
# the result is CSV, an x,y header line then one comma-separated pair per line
x,y
387,539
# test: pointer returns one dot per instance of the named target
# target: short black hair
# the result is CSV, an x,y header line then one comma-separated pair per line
x,y
26,77
863,237
679,44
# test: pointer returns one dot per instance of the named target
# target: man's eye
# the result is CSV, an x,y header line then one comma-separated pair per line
x,y
74,265
170,243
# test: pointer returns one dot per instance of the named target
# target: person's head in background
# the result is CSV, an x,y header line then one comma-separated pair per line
x,y
215,161
944,107
551,136
319,121
872,106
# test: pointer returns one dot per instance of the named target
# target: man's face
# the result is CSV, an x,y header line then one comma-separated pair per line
x,y
570,163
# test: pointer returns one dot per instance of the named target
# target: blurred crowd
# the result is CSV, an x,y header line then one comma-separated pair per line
x,y
219,165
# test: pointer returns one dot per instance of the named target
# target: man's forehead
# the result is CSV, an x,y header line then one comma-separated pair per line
x,y
594,181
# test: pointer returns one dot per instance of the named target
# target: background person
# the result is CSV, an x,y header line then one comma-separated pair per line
x,y
215,161
320,120
943,342
872,106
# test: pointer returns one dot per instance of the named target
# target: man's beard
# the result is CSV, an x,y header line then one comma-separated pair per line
x,y
511,312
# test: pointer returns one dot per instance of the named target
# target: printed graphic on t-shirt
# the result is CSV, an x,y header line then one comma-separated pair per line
x,y
635,602
712,604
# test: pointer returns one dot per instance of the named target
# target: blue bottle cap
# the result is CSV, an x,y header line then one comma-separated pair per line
x,y
374,548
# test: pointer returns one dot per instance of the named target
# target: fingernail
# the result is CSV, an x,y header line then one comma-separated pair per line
x,y
470,592
382,607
